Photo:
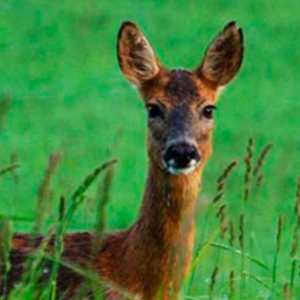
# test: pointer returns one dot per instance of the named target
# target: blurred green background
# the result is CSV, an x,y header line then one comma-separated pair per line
x,y
58,63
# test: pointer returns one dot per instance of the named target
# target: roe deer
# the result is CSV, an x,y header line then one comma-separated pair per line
x,y
155,253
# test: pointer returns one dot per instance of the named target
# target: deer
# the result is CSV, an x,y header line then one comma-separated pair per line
x,y
152,258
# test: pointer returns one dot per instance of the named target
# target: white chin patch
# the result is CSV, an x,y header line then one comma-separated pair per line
x,y
178,171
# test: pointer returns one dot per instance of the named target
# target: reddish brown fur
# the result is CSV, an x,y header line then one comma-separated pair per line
x,y
156,252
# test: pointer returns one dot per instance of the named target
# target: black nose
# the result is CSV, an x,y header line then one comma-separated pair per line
x,y
180,155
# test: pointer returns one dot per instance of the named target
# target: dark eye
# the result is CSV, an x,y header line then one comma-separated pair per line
x,y
154,111
208,111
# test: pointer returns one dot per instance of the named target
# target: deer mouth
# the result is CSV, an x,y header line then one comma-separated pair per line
x,y
174,169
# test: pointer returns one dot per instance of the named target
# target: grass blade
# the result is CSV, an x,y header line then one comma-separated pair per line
x,y
8,169
239,252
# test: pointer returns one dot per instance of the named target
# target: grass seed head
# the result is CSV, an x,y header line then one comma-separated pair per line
x,y
5,103
297,203
242,232
62,208
213,278
231,284
279,232
223,222
231,233
286,294
223,179
261,159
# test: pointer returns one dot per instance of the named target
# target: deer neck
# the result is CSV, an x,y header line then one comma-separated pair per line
x,y
165,229
168,199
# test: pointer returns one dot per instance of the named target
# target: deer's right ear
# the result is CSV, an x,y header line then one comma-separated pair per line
x,y
137,59
224,56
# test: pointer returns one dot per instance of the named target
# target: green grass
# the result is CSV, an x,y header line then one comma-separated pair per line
x,y
58,64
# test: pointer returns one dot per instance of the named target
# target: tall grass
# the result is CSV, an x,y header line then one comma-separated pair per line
x,y
226,244
5,248
29,287
44,202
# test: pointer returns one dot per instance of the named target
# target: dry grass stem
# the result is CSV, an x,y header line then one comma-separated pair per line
x,y
294,248
287,293
279,232
62,208
9,168
14,160
275,260
102,198
5,103
231,233
248,163
297,204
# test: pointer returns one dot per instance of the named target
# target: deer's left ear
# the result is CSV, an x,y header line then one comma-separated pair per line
x,y
223,58
137,59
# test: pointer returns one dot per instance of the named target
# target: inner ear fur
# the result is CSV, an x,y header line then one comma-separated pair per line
x,y
137,59
223,58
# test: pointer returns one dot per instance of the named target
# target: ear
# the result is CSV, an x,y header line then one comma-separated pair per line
x,y
223,58
137,59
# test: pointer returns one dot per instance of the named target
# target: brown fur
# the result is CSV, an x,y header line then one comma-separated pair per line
x,y
156,252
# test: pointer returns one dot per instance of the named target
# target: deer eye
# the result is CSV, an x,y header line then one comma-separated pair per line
x,y
154,111
208,111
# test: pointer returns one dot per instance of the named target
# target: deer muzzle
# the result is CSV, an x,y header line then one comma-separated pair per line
x,y
181,158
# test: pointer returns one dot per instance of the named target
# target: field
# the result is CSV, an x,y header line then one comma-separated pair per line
x,y
59,68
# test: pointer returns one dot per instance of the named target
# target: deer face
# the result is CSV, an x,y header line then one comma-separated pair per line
x,y
180,103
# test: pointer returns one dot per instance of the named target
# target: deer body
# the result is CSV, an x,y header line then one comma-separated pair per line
x,y
154,255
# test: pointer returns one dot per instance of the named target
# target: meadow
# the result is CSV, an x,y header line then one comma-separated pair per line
x,y
62,92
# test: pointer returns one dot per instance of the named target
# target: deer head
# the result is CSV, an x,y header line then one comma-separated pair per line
x,y
180,103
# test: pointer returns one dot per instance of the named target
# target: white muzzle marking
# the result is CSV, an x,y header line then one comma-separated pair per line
x,y
171,168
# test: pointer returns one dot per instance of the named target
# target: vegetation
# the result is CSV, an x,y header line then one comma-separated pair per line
x,y
62,93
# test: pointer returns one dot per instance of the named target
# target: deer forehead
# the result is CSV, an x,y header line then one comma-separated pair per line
x,y
177,87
